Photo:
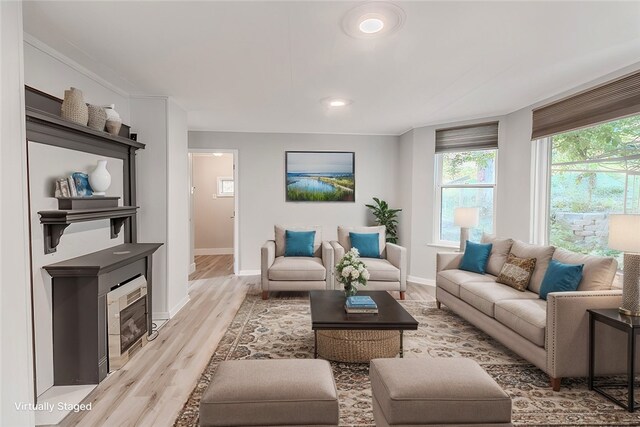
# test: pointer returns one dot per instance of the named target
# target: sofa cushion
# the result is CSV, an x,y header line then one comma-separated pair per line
x,y
527,317
484,295
475,257
450,280
345,241
381,270
542,254
598,272
367,244
279,231
297,268
561,277
299,243
499,252
516,272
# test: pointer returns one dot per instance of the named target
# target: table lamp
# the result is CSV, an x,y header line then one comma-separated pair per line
x,y
465,218
624,235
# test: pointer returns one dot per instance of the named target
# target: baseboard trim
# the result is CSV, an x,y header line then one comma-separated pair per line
x,y
160,315
249,273
192,268
213,251
178,306
421,281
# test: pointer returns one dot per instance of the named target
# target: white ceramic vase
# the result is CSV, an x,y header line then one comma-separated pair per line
x,y
100,178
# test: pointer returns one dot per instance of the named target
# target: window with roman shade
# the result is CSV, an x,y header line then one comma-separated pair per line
x,y
465,164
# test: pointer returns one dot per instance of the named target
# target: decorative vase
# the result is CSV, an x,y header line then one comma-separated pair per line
x,y
350,291
100,178
73,107
97,117
114,122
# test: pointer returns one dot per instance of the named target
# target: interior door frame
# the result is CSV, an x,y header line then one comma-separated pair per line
x,y
236,199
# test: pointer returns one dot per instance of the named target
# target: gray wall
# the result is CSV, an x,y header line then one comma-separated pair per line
x,y
212,215
261,183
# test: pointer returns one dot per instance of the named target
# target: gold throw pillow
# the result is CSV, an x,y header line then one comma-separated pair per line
x,y
516,272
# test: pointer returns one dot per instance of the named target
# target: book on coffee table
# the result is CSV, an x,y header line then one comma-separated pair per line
x,y
360,310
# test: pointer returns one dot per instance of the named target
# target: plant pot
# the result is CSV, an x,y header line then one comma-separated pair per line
x,y
100,179
73,107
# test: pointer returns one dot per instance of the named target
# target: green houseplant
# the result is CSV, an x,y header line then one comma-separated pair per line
x,y
387,217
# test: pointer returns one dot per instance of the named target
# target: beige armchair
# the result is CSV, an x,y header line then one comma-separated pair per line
x,y
388,273
280,273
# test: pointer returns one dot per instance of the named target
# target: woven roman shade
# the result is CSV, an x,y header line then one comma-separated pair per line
x,y
609,101
483,136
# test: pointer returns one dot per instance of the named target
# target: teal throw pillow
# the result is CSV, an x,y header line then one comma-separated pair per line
x,y
561,277
475,257
368,244
299,243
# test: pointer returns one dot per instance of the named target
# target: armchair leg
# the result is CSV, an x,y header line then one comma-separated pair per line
x,y
402,295
438,304
555,383
265,294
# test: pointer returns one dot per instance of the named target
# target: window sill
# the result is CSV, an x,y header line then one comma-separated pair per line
x,y
443,245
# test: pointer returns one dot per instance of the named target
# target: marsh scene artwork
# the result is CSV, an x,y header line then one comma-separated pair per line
x,y
320,176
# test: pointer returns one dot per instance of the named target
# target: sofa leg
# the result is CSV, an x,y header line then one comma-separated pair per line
x,y
265,294
402,295
438,304
555,383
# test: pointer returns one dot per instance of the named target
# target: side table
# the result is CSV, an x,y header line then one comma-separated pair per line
x,y
627,324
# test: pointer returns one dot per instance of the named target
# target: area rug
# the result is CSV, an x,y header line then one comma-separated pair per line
x,y
281,328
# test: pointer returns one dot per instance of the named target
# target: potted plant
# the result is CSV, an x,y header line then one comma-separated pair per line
x,y
352,272
387,217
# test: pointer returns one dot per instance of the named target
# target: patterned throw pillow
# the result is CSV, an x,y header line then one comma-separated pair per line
x,y
516,272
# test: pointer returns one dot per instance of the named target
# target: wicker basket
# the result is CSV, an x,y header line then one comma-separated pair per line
x,y
358,346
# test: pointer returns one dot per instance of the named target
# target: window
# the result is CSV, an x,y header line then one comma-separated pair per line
x,y
225,186
593,172
465,179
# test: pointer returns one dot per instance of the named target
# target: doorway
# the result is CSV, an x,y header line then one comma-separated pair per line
x,y
213,213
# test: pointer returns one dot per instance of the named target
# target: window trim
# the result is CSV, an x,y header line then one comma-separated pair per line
x,y
221,192
438,187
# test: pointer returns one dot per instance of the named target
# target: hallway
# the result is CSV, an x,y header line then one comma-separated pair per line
x,y
209,266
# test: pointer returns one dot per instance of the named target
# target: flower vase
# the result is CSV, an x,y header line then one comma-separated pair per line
x,y
350,291
73,107
100,179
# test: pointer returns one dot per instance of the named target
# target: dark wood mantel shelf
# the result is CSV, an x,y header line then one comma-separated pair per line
x,y
55,222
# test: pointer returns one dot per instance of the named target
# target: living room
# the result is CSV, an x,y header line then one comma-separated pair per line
x,y
403,100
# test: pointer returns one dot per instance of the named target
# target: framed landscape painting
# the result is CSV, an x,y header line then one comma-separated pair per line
x,y
320,176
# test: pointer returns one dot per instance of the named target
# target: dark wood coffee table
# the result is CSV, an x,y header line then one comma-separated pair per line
x,y
328,313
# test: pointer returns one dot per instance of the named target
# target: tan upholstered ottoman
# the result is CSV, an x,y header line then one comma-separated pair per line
x,y
428,392
271,393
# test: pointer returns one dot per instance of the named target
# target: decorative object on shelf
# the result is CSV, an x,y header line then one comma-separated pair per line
x,y
97,117
352,272
387,217
73,191
62,187
82,184
73,107
624,235
100,179
466,218
320,176
114,122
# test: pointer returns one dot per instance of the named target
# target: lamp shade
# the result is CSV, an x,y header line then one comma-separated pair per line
x,y
466,217
624,232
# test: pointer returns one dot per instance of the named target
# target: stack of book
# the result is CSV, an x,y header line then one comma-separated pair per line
x,y
360,305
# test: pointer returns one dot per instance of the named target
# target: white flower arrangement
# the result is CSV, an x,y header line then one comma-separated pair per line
x,y
352,272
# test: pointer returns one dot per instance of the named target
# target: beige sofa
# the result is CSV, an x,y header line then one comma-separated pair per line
x,y
280,273
551,334
388,273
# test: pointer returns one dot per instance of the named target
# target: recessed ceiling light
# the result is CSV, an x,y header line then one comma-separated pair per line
x,y
373,19
371,25
336,102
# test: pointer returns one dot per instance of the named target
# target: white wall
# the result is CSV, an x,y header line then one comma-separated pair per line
x,y
162,192
261,183
212,215
46,163
16,358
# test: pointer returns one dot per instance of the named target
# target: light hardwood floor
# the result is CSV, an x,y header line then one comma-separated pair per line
x,y
209,266
151,389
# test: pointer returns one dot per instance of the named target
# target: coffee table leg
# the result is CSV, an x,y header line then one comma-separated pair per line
x,y
401,343
315,344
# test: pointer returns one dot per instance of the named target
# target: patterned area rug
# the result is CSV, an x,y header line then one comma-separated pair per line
x,y
281,328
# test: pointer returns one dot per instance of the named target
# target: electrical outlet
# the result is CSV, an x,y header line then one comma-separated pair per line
x,y
214,196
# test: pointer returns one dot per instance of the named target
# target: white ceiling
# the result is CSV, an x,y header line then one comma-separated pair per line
x,y
265,66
